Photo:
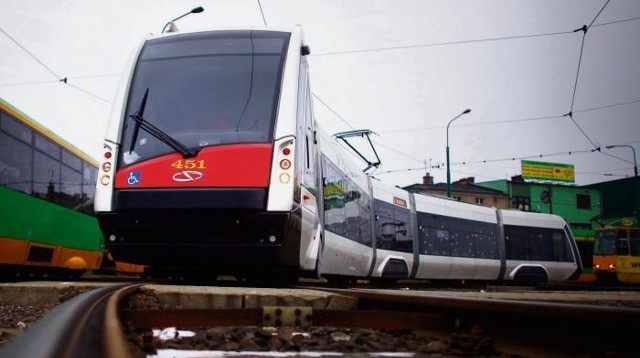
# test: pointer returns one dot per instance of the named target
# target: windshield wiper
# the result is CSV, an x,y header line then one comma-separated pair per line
x,y
139,113
155,131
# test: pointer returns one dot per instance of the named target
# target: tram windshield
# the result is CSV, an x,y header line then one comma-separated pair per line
x,y
605,242
634,242
205,89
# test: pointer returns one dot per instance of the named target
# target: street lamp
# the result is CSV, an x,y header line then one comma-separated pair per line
x,y
635,165
448,169
169,24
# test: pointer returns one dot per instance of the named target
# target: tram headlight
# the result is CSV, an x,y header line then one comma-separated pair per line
x,y
285,178
106,167
105,180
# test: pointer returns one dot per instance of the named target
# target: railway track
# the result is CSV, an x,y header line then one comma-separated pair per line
x,y
85,326
105,323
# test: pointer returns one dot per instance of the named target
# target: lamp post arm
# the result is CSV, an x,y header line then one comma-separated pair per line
x,y
196,10
635,163
453,119
448,124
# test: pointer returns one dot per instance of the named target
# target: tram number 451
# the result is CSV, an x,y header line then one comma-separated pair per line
x,y
188,164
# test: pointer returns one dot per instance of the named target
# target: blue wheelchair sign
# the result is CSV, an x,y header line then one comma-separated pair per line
x,y
134,178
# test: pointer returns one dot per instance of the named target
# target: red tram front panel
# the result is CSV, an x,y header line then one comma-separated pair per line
x,y
230,166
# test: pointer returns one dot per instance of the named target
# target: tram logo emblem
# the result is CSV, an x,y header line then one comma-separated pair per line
x,y
134,178
187,175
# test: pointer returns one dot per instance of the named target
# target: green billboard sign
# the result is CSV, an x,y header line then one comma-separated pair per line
x,y
548,172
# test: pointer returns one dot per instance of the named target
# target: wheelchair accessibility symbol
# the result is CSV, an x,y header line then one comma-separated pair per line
x,y
134,178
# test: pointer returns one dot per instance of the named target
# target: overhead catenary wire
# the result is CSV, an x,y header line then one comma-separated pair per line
x,y
572,108
510,159
60,79
461,42
534,156
44,65
331,110
614,22
88,93
599,12
584,30
264,20
29,83
514,158
511,121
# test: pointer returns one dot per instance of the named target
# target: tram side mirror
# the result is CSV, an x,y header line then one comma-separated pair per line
x,y
305,50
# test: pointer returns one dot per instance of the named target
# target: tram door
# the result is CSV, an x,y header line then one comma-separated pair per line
x,y
308,161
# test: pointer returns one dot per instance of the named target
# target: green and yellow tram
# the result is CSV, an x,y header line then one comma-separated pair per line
x,y
47,186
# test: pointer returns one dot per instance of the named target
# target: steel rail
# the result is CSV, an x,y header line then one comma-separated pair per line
x,y
520,327
85,326
621,316
398,310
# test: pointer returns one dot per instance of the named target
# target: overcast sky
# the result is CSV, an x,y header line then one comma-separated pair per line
x,y
402,69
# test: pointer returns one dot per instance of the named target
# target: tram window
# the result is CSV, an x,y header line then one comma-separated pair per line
x,y
207,90
437,243
393,227
15,128
486,247
70,186
347,210
517,241
560,249
47,146
541,249
71,160
604,243
89,177
622,246
15,164
534,243
461,245
46,176
446,236
634,246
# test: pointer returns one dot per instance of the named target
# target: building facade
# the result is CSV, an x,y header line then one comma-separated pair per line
x,y
620,202
464,190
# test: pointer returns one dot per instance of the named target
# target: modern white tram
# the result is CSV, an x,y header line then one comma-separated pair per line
x,y
427,237
214,164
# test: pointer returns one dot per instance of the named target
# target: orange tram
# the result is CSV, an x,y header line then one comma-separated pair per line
x,y
616,254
